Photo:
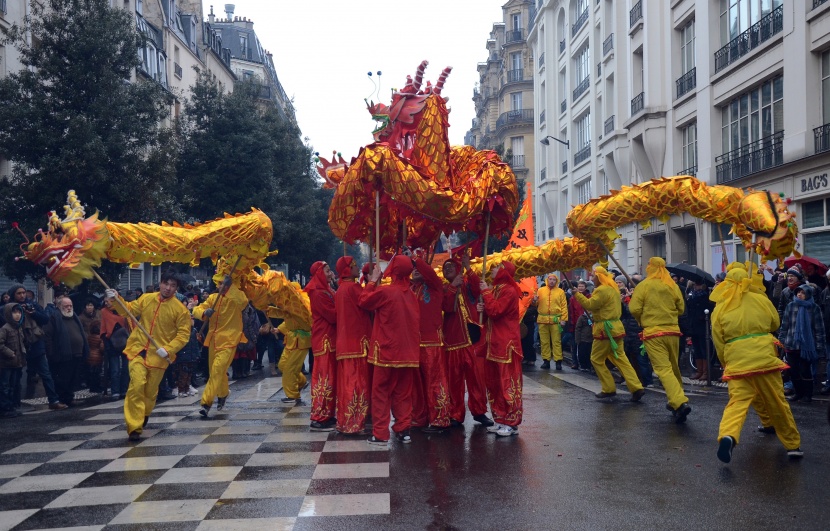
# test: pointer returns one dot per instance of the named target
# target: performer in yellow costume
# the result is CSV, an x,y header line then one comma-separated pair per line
x,y
224,334
297,342
168,323
606,307
657,304
553,315
742,326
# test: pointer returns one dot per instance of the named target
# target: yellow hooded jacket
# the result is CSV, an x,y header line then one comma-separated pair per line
x,y
167,320
604,305
225,325
552,305
657,307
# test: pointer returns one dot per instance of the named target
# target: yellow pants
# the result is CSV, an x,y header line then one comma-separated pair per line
x,y
141,394
663,352
766,394
219,360
601,351
551,341
291,365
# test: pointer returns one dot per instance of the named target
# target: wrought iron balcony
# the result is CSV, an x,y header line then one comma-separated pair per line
x,y
562,46
542,60
756,156
177,69
689,171
565,167
515,75
822,138
520,116
582,87
582,155
608,44
817,3
517,161
635,14
747,41
514,36
687,82
579,22
638,103
609,125
542,117
563,106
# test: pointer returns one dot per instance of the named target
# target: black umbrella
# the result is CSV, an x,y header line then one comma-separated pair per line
x,y
691,272
187,279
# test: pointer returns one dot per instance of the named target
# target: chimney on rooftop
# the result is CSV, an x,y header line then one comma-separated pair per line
x,y
229,11
211,17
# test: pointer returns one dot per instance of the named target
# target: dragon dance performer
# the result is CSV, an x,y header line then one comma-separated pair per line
x,y
353,331
223,311
657,305
393,350
463,366
606,307
430,400
742,326
553,315
297,342
323,345
503,365
168,322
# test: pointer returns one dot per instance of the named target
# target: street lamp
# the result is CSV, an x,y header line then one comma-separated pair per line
x,y
546,142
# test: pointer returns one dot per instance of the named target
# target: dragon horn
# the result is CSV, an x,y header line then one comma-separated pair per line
x,y
26,242
441,79
419,74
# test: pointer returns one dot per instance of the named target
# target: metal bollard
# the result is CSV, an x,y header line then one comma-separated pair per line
x,y
708,351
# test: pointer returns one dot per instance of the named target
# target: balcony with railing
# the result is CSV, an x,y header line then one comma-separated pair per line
x,y
517,161
636,14
756,156
542,117
689,171
517,35
565,166
747,41
608,44
542,60
579,22
687,82
562,46
563,106
520,116
817,3
638,103
582,87
582,155
609,124
822,138
514,76
177,69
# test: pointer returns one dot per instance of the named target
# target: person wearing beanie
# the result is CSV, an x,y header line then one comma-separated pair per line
x,y
803,336
353,332
503,358
743,323
393,349
657,304
323,347
795,278
461,333
552,305
606,307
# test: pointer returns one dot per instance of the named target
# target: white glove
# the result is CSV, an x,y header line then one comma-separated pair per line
x,y
111,293
162,353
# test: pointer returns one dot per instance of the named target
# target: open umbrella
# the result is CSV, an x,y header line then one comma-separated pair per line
x,y
811,266
691,272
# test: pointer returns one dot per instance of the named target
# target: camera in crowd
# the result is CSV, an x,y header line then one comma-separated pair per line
x,y
28,307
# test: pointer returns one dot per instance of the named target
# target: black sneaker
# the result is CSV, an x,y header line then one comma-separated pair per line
x,y
766,429
725,449
545,364
558,365
288,400
404,437
484,420
456,424
204,411
322,426
432,429
300,403
603,394
682,412
637,395
376,442
221,403
135,436
798,453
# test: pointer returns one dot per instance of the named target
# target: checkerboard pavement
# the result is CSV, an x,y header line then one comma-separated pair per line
x,y
254,465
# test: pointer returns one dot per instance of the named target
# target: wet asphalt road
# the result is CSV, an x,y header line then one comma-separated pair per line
x,y
576,464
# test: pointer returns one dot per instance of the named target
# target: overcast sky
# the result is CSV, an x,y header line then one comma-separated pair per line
x,y
323,49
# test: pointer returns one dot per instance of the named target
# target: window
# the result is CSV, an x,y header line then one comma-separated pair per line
x,y
583,192
687,47
516,61
583,131
753,115
139,7
516,101
816,215
825,87
243,43
736,16
581,7
690,146
516,19
582,65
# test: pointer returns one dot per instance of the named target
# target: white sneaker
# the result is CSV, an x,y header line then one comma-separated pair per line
x,y
494,428
507,431
192,391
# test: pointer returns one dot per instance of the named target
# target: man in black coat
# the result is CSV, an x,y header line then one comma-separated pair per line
x,y
66,348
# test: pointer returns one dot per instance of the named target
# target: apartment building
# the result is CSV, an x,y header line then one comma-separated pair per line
x,y
645,88
11,12
504,95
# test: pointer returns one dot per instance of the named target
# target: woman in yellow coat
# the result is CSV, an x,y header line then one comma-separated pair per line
x,y
742,326
606,307
552,305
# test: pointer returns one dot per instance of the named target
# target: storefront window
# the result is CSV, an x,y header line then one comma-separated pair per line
x,y
816,215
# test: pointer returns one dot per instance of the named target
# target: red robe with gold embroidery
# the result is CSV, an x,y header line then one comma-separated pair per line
x,y
323,337
354,326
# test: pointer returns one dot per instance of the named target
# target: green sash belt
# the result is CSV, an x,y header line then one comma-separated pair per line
x,y
608,326
747,336
303,333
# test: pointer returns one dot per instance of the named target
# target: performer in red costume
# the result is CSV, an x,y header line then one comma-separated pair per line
x,y
460,323
353,332
393,349
503,366
430,399
323,337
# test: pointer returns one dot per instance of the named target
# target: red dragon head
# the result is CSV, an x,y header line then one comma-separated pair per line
x,y
331,172
72,246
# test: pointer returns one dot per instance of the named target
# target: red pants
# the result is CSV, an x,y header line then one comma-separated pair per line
x,y
430,393
353,393
391,390
504,390
322,388
464,366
